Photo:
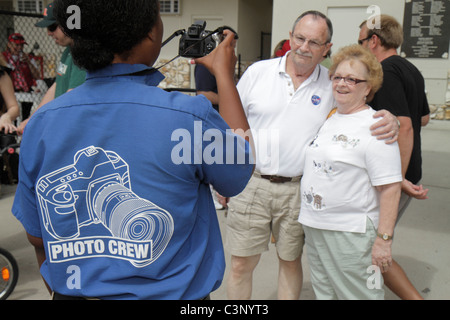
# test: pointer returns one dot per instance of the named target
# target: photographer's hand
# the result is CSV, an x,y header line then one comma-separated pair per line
x,y
223,59
222,63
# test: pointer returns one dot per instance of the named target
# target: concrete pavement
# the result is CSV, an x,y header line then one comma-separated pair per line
x,y
420,247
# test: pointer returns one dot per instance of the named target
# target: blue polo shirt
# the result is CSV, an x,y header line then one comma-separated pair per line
x,y
114,177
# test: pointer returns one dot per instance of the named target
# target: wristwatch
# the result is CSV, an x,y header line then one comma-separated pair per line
x,y
384,236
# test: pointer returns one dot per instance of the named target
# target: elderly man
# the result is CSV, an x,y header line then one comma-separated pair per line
x,y
286,101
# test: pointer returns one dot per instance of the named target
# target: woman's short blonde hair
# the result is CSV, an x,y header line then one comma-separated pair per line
x,y
358,53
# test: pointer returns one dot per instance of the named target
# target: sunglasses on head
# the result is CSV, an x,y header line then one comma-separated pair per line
x,y
18,38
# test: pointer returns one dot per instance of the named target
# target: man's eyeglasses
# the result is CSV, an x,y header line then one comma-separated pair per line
x,y
53,27
348,80
313,45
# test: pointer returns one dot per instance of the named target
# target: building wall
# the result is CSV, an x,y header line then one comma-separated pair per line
x,y
255,16
346,16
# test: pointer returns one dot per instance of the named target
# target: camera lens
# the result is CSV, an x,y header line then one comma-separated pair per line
x,y
129,217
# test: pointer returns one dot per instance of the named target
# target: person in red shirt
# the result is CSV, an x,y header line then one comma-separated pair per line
x,y
24,73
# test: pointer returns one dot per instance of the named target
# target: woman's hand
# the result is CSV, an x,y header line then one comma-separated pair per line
x,y
389,196
382,254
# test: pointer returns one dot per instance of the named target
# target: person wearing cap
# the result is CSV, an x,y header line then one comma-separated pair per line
x,y
168,209
24,72
68,75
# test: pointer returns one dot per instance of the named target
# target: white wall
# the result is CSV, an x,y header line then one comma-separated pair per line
x,y
255,16
346,16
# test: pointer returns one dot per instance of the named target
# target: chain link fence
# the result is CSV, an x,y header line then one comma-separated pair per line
x,y
41,49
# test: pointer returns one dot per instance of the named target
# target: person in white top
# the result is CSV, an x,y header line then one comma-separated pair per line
x,y
286,101
350,187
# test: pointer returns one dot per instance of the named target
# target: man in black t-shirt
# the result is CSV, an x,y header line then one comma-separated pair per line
x,y
403,94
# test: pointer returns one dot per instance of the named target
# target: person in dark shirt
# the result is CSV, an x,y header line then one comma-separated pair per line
x,y
403,94
152,231
206,85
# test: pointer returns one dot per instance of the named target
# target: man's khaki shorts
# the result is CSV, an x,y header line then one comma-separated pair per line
x,y
263,207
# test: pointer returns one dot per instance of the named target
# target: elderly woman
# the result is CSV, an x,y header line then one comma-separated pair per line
x,y
9,109
350,188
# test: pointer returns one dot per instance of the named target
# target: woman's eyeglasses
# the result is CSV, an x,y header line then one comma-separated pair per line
x,y
348,80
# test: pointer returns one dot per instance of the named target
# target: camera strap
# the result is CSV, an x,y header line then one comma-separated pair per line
x,y
175,34
165,64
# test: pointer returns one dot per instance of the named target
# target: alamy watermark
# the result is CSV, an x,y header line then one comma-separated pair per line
x,y
212,146
74,279
375,280
374,21
74,21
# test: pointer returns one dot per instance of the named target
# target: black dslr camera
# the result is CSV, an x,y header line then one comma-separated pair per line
x,y
198,42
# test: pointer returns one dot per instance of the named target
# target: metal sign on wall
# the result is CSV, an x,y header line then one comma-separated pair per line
x,y
426,29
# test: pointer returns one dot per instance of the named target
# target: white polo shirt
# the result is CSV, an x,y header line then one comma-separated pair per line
x,y
283,121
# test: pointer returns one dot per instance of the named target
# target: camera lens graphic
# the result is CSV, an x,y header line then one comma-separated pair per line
x,y
129,217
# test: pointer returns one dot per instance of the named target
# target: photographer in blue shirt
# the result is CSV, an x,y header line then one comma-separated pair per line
x,y
114,175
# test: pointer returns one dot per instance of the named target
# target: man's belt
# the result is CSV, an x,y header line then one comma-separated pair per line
x,y
279,179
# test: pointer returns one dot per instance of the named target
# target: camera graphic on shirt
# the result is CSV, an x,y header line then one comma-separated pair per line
x,y
96,189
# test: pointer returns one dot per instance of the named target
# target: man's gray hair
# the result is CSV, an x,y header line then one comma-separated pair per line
x,y
317,15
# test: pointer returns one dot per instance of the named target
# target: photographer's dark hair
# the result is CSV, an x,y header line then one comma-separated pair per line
x,y
108,28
